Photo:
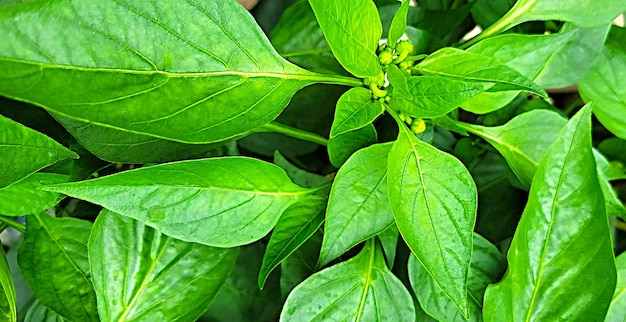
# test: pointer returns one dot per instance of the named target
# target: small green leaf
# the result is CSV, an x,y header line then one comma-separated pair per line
x,y
470,67
221,202
298,267
341,147
355,110
38,312
297,224
354,290
487,267
25,151
352,30
604,84
617,309
366,212
24,197
543,279
398,24
614,206
8,308
59,245
389,240
297,175
140,274
435,211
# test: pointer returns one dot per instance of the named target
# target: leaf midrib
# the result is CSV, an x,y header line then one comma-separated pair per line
x,y
368,282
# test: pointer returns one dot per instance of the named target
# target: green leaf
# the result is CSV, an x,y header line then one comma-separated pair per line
x,y
614,206
25,151
341,147
470,67
53,260
523,140
240,299
543,279
297,175
299,38
398,24
360,289
209,79
8,308
297,224
140,274
352,30
40,313
617,309
358,207
554,60
24,197
430,96
584,13
487,267
355,110
604,84
433,199
301,264
221,202
389,240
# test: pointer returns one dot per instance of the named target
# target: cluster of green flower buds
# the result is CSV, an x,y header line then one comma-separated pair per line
x,y
417,126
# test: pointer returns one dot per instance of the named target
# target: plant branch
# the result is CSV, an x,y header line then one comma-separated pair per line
x,y
335,79
12,223
293,132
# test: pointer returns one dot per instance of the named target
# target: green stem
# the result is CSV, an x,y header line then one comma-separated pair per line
x,y
571,107
12,223
504,23
335,79
293,132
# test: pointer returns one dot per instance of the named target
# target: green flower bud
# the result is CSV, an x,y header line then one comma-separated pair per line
x,y
385,58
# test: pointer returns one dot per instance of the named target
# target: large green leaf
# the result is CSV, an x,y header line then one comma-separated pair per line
x,y
604,84
617,309
471,67
584,13
554,60
53,260
355,109
24,197
192,71
296,226
221,202
360,289
543,281
358,207
140,274
430,96
352,30
8,309
433,199
25,151
487,267
299,38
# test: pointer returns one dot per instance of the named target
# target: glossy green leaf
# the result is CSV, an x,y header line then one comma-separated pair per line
x,y
297,224
554,60
487,267
523,140
24,197
302,264
299,38
211,78
543,281
341,147
398,24
584,13
389,241
358,207
240,299
604,84
430,96
221,202
297,175
352,30
8,309
360,289
25,151
435,211
355,110
614,206
53,260
617,309
140,274
40,313
471,67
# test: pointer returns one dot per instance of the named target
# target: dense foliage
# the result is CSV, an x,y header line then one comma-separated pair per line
x,y
317,160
